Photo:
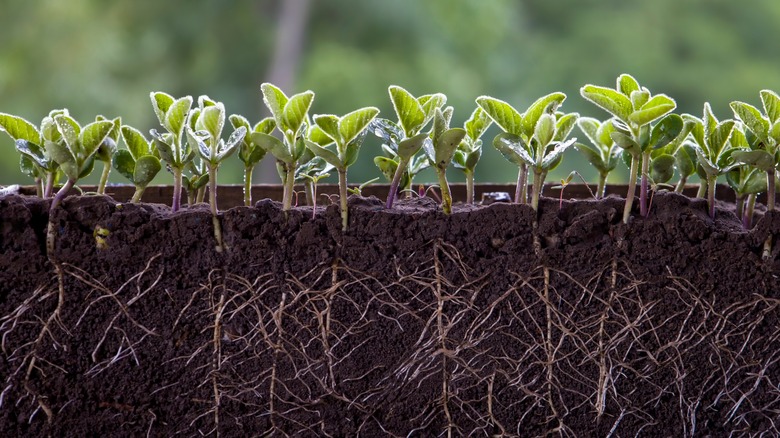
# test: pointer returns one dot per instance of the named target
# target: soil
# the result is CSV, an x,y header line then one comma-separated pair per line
x,y
494,321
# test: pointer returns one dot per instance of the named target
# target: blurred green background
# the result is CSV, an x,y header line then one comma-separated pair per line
x,y
98,57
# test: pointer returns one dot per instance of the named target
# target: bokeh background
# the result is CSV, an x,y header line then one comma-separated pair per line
x,y
100,57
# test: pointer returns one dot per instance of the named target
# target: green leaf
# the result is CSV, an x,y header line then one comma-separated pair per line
x,y
544,105
545,129
761,160
164,148
328,124
552,158
161,102
771,102
609,100
477,123
19,129
387,166
212,120
28,167
237,120
352,124
326,154
655,108
666,131
62,156
503,114
295,111
197,140
626,84
267,125
135,141
93,135
590,127
408,109
446,145
146,168
513,148
69,130
593,155
410,146
564,125
639,98
662,168
473,158
719,137
317,135
275,100
272,145
124,163
685,157
176,116
626,142
87,167
227,148
351,153
33,152
752,119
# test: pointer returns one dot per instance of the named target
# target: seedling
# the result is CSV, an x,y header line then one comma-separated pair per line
x,y
359,189
441,149
602,152
535,139
564,182
712,149
195,180
139,163
635,108
348,133
686,163
205,131
748,179
289,113
310,174
174,151
470,149
404,139
105,152
249,152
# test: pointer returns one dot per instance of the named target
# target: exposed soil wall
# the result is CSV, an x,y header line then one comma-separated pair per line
x,y
495,320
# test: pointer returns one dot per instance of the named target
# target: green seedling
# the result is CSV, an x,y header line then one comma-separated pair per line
x,y
348,133
766,128
713,149
139,163
686,163
359,189
749,178
31,142
310,175
534,140
635,108
174,150
469,151
602,152
105,152
206,123
249,152
402,140
195,180
101,234
290,114
564,182
441,149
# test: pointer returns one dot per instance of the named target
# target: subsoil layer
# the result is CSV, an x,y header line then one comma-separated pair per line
x,y
496,320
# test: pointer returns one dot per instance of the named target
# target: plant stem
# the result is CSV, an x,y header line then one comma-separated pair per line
x,y
213,205
313,189
702,188
176,189
643,190
248,185
200,195
343,198
747,219
289,186
469,187
521,192
711,179
631,188
104,178
770,189
308,190
139,192
446,198
399,171
601,189
740,199
50,232
39,187
49,184
681,184
537,189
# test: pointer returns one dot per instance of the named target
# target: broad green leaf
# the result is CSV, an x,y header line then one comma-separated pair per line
x,y
639,98
267,125
771,102
28,167
205,101
503,114
552,158
33,152
604,134
759,159
295,111
86,168
564,125
685,157
590,127
135,141
513,148
662,168
352,124
704,161
593,155
62,156
387,166
655,108
473,158
19,129
326,154
328,124
317,135
176,116
666,131
609,100
146,168
446,145
626,84
212,120
752,119
545,129
163,146
93,135
275,100
197,140
237,121
227,148
351,153
626,142
408,109
719,138
124,163
67,127
430,102
410,146
547,104
477,123
272,145
161,102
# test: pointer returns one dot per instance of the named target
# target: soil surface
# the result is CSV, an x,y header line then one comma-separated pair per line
x,y
493,321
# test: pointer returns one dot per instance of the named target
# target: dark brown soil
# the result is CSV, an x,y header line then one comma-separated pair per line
x,y
492,321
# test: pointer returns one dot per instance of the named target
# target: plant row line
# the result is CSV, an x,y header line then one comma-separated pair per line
x,y
642,131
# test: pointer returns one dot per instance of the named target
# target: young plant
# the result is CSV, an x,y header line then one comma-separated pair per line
x,y
635,108
686,163
248,151
469,151
766,128
195,180
105,152
310,175
75,156
602,152
207,122
139,163
535,139
441,149
404,139
174,151
713,149
31,144
348,133
290,114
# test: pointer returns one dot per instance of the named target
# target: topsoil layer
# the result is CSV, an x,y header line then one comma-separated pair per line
x,y
495,320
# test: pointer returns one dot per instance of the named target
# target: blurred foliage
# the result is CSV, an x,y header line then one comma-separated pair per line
x,y
98,57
